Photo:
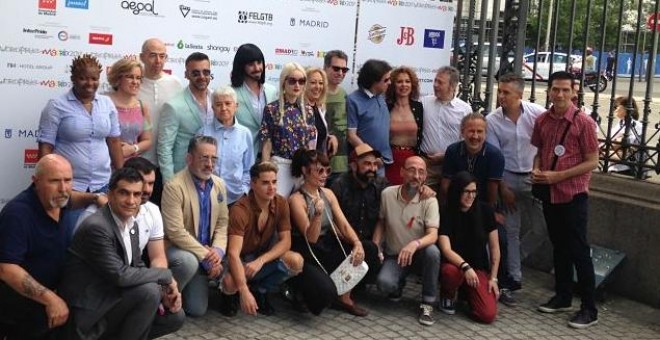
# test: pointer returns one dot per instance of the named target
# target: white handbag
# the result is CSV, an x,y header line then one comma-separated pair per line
x,y
346,276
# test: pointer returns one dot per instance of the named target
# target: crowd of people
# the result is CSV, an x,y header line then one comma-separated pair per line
x,y
146,198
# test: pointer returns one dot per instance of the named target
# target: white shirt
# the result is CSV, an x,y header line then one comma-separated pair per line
x,y
124,230
155,93
442,123
150,224
514,139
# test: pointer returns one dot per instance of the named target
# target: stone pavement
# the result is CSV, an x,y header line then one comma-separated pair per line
x,y
618,319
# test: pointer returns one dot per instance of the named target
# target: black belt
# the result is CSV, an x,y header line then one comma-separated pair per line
x,y
520,173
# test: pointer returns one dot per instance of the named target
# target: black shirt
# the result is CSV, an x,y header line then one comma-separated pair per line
x,y
458,226
359,205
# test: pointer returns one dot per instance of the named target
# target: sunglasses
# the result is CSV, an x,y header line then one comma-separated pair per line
x,y
292,81
198,73
340,69
323,170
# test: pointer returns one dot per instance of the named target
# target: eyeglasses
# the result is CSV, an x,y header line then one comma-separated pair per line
x,y
206,159
414,171
132,77
340,69
198,73
470,192
292,81
323,170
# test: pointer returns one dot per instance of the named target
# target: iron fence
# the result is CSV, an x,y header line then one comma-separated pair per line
x,y
565,30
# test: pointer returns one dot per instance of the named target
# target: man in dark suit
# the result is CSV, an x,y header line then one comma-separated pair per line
x,y
110,292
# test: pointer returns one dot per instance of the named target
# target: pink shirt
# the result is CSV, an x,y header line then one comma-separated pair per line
x,y
580,141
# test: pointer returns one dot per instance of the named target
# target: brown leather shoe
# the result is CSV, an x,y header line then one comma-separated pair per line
x,y
353,309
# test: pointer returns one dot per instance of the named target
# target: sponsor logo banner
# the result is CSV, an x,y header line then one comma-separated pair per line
x,y
80,4
309,23
30,158
199,14
434,38
406,37
257,18
100,39
48,7
140,8
377,33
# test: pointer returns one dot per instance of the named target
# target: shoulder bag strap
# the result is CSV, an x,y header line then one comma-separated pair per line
x,y
561,142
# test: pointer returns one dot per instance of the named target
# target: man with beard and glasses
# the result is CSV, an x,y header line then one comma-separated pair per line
x,y
184,115
32,250
195,219
406,234
248,78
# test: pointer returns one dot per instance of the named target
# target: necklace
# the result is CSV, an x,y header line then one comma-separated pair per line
x,y
471,160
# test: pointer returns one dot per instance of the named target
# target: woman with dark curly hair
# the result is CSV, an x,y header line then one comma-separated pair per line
x,y
406,120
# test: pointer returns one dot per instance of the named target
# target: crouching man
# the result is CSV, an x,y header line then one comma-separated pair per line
x,y
110,291
258,252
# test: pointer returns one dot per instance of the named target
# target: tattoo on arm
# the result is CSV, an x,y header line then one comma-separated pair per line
x,y
32,288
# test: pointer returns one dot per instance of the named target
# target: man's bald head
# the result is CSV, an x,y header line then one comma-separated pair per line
x,y
414,160
413,173
153,56
53,181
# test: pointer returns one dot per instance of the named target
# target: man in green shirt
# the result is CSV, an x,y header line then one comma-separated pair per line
x,y
334,63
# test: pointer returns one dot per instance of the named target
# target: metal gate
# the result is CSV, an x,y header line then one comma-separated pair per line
x,y
537,37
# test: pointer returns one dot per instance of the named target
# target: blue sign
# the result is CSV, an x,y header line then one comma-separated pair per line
x,y
81,4
434,38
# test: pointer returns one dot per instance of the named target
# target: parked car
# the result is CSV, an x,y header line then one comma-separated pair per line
x,y
484,50
542,60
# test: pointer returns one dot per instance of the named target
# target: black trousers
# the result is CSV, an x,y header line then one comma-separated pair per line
x,y
317,288
567,228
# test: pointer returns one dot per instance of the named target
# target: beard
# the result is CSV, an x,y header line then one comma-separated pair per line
x,y
410,189
366,177
59,202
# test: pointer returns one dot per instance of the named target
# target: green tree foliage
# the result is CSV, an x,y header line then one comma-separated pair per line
x,y
564,24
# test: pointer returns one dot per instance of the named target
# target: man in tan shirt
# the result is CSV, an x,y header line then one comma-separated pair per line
x,y
408,226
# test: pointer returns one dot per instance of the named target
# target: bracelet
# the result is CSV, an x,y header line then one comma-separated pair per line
x,y
418,243
462,264
136,148
494,280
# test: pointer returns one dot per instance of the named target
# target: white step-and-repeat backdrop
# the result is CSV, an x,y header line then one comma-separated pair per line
x,y
40,38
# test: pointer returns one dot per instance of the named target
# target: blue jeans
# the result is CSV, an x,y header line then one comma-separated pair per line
x,y
391,277
270,277
192,280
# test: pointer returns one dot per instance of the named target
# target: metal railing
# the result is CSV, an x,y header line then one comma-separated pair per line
x,y
629,145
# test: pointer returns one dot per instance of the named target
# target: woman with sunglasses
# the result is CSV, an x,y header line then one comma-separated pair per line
x,y
406,120
286,126
468,230
319,227
125,77
315,91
